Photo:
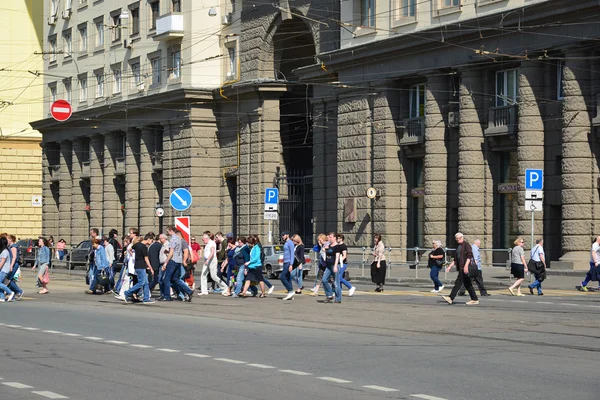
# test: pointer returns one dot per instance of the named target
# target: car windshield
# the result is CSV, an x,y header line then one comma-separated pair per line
x,y
85,245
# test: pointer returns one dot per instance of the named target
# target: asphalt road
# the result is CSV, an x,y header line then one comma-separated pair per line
x,y
401,345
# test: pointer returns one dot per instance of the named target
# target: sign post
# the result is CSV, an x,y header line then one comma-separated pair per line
x,y
271,208
534,194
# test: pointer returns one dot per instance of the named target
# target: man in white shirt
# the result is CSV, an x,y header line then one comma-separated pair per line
x,y
210,265
594,272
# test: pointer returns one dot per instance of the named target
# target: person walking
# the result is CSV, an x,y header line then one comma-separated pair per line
x,y
262,260
172,268
241,257
288,260
321,263
297,273
378,266
462,260
102,266
537,266
228,265
253,268
435,264
478,279
14,253
333,257
113,240
41,263
518,266
210,265
343,249
142,264
5,265
594,273
154,256
60,249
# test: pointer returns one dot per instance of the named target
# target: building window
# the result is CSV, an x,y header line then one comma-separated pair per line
x,y
116,26
154,11
560,77
99,33
67,87
83,39
176,5
52,42
155,62
506,88
99,84
232,62
408,8
367,13
135,20
417,101
53,7
449,3
117,81
68,4
68,43
135,71
53,93
83,89
176,65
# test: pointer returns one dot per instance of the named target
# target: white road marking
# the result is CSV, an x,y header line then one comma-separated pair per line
x,y
17,385
2,324
168,350
116,342
380,388
594,306
294,372
73,334
197,355
568,304
93,338
52,331
427,397
31,329
229,360
141,346
545,302
519,301
263,366
330,379
13,326
51,395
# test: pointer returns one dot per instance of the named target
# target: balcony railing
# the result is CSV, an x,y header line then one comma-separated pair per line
x,y
54,173
157,161
85,170
169,26
502,121
120,166
414,131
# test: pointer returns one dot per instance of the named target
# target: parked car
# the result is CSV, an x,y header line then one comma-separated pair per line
x,y
27,248
274,261
78,256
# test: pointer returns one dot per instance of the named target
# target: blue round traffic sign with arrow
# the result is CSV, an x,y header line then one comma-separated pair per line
x,y
180,199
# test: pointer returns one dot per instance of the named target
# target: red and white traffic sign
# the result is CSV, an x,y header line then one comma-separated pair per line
x,y
183,224
61,110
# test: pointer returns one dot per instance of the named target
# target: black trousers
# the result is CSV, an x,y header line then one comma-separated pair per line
x,y
479,281
461,280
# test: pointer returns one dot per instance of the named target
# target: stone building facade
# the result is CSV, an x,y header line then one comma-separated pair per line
x,y
440,108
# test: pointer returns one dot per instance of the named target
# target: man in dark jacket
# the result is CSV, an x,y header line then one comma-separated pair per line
x,y
464,257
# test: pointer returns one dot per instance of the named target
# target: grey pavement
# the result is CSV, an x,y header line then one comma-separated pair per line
x,y
372,346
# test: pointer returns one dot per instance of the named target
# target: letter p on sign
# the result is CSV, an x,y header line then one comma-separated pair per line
x,y
534,179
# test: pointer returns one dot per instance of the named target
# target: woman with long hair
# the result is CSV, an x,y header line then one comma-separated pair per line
x,y
41,263
378,266
253,268
322,263
297,272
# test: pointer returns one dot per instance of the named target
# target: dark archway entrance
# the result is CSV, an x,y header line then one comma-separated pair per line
x,y
294,48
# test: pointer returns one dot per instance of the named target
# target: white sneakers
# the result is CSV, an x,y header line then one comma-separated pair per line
x,y
10,296
433,291
203,294
290,296
351,291
271,289
441,288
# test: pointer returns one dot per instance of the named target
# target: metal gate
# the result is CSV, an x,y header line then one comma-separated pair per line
x,y
295,205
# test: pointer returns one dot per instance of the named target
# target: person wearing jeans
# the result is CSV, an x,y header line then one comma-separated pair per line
x,y
594,272
435,263
333,257
343,263
142,264
539,260
288,259
297,273
14,266
5,270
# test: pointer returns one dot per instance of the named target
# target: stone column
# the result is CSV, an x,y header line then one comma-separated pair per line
x,y
578,187
471,161
148,194
50,193
530,147
80,225
97,182
436,159
132,178
66,164
112,206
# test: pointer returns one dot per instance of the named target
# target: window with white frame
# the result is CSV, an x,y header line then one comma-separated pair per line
x,y
155,64
154,13
449,3
506,87
367,13
53,92
53,7
83,88
83,39
136,73
408,8
99,84
176,64
417,100
67,89
52,43
99,33
116,26
67,43
68,4
232,71
176,5
560,77
134,13
117,81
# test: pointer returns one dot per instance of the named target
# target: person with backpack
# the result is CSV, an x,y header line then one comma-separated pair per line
x,y
15,256
537,266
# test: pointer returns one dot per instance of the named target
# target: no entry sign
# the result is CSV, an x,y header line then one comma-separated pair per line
x,y
61,110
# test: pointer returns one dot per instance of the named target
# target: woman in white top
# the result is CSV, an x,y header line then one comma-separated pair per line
x,y
378,266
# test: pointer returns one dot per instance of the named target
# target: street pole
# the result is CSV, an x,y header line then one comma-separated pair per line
x,y
270,232
532,224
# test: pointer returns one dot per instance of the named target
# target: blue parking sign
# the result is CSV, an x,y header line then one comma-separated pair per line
x,y
272,196
534,179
